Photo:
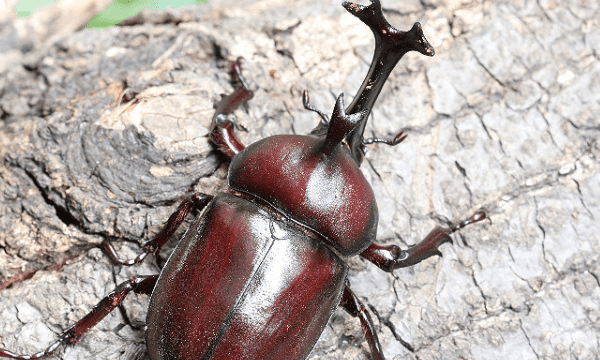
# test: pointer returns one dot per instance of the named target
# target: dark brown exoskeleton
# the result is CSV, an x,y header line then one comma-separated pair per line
x,y
262,269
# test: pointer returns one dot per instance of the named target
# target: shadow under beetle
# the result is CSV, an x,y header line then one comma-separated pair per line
x,y
263,268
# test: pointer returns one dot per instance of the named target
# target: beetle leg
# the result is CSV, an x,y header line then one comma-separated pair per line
x,y
389,258
395,141
137,284
198,201
221,132
309,107
352,304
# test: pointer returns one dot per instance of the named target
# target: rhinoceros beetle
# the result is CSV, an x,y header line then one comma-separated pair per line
x,y
262,269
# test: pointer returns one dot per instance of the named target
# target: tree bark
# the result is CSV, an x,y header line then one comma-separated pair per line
x,y
102,131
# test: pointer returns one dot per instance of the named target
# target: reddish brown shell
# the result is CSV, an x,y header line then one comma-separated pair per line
x,y
325,192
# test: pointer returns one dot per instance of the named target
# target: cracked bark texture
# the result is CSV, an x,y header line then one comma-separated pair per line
x,y
503,117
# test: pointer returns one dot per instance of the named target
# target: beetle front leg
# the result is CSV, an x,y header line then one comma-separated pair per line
x,y
352,304
389,258
197,201
221,132
137,284
400,137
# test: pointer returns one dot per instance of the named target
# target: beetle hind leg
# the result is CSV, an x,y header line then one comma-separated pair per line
x,y
352,304
137,284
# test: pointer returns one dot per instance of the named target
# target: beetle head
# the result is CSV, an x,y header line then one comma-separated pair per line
x,y
390,46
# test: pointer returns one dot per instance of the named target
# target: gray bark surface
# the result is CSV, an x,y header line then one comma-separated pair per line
x,y
504,117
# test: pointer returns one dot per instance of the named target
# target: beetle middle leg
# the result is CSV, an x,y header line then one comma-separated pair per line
x,y
197,201
389,258
137,284
352,304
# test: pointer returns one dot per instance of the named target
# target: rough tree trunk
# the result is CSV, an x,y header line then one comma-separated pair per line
x,y
504,117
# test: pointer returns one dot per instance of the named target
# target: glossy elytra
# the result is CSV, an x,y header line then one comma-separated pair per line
x,y
264,265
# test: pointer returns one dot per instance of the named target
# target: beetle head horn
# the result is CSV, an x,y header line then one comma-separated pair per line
x,y
390,46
